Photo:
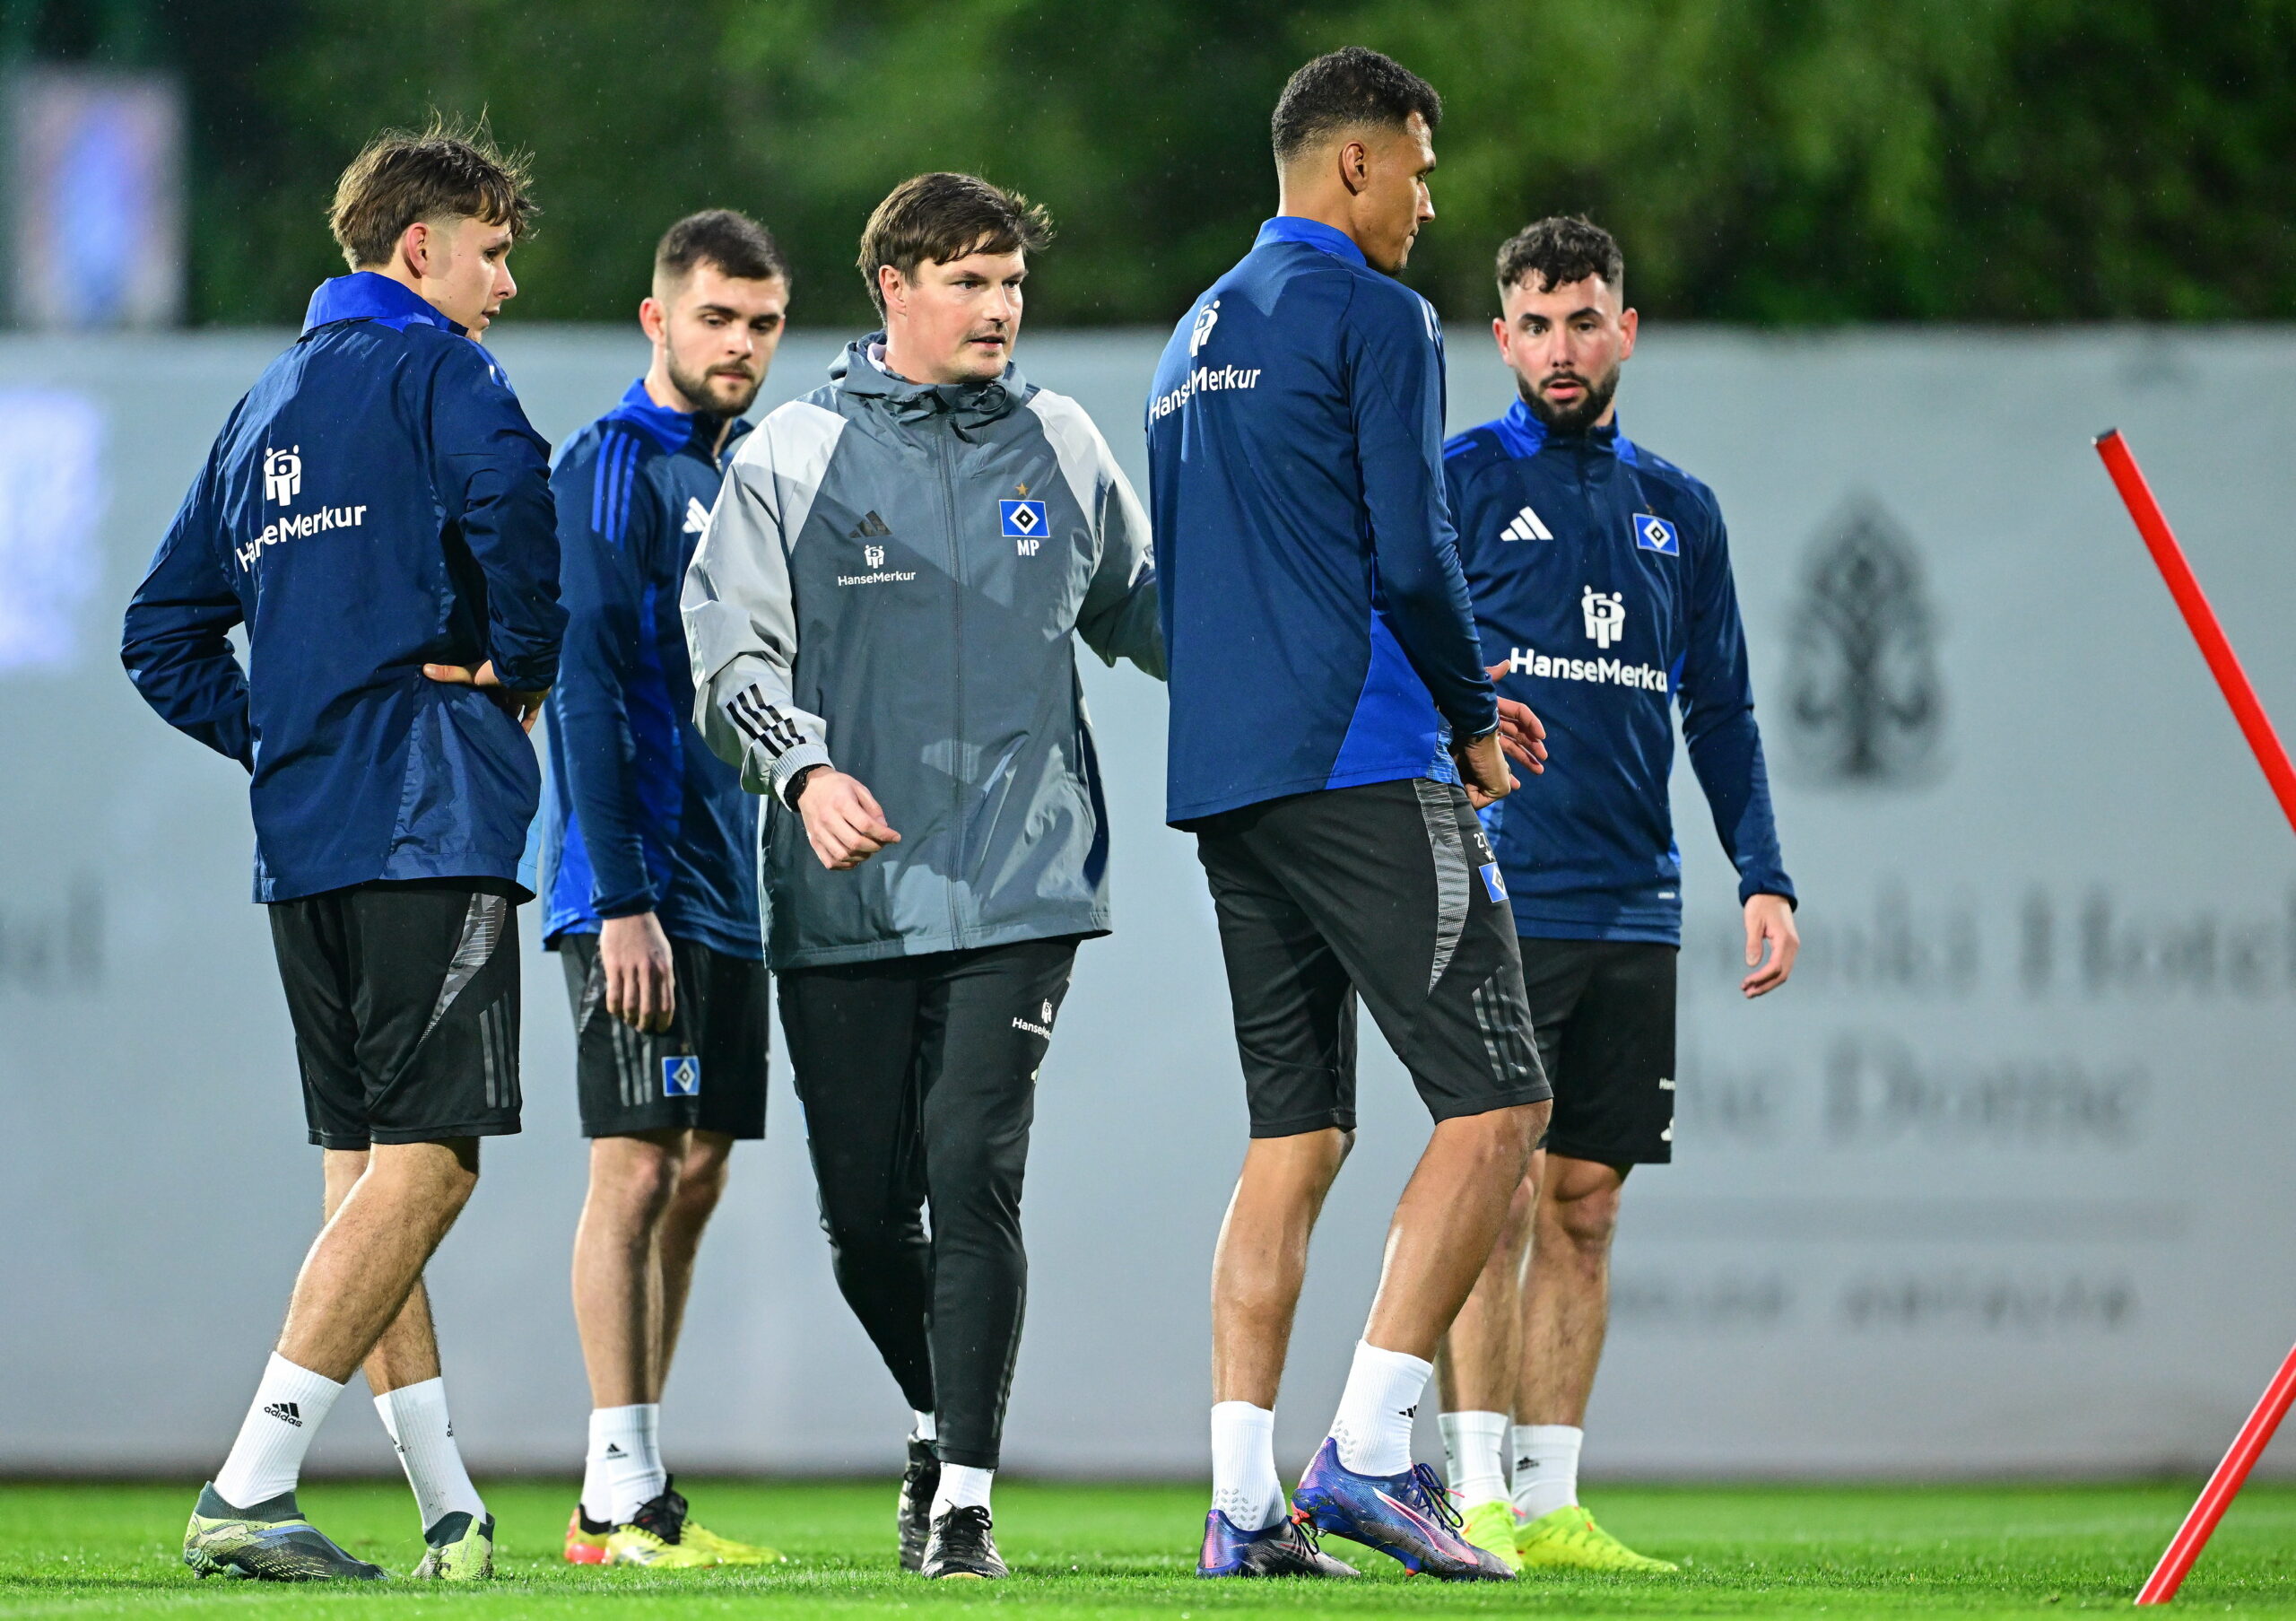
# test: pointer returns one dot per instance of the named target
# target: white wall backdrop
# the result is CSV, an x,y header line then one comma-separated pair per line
x,y
1999,1183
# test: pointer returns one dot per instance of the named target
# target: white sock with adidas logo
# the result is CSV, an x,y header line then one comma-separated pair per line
x,y
414,1417
290,1404
624,1472
1375,1408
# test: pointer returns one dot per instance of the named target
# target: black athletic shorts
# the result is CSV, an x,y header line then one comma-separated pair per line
x,y
1388,891
1605,1015
707,1070
404,999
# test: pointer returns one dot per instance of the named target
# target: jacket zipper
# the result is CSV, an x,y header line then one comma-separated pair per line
x,y
945,435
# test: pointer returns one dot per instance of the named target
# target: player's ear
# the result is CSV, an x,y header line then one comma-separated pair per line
x,y
1629,323
893,288
653,318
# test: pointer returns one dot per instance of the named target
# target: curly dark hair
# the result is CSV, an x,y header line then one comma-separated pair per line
x,y
1560,250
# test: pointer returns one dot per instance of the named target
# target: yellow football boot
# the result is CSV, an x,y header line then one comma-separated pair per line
x,y
1490,1527
1570,1539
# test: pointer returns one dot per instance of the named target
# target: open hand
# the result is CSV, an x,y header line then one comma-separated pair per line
x,y
1769,920
842,820
521,707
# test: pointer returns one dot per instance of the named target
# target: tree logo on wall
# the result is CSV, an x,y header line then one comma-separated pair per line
x,y
1864,703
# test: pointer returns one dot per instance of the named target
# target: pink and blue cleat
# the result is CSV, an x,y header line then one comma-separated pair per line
x,y
1408,1517
1286,1548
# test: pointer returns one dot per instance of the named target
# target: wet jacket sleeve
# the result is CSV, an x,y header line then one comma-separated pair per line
x,y
1394,371
1715,692
740,607
492,471
175,642
1121,616
608,534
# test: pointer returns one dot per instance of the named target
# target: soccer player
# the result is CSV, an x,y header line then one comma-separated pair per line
x,y
1601,579
649,873
377,514
1326,698
883,619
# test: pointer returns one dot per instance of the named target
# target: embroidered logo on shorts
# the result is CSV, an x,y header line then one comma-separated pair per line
x,y
682,1076
1492,881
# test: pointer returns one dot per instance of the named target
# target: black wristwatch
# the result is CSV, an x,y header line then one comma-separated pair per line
x,y
796,784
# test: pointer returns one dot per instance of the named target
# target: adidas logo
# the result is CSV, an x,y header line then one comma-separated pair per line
x,y
614,1450
697,516
1526,526
1410,1412
286,1412
870,524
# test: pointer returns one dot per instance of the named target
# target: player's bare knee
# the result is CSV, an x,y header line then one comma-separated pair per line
x,y
636,1175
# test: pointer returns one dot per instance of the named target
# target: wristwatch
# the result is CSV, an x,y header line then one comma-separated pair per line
x,y
796,784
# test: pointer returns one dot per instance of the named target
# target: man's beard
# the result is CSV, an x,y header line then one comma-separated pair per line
x,y
1575,418
703,398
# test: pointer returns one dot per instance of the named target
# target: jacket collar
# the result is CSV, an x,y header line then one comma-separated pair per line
x,y
670,428
860,371
365,296
1314,233
1522,434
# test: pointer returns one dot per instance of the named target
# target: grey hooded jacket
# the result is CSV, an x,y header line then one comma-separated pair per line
x,y
891,580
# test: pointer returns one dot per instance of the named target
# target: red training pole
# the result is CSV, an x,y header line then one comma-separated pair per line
x,y
2254,1436
2255,726
2223,1486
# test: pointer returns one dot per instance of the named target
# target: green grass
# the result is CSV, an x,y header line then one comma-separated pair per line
x,y
1126,1551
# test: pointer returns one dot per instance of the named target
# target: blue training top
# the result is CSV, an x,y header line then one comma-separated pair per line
x,y
640,816
1315,616
376,502
1601,579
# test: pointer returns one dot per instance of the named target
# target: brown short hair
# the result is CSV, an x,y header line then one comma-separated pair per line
x,y
1558,251
934,218
444,171
736,243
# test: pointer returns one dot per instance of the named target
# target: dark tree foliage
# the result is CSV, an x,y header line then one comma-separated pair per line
x,y
1773,162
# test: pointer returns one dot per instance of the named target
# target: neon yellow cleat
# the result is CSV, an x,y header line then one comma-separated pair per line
x,y
634,1544
1570,1539
1490,1527
726,1550
460,1549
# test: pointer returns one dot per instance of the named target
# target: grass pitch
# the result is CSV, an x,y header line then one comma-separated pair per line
x,y
1129,1551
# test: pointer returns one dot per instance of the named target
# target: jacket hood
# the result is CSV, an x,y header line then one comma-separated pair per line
x,y
859,372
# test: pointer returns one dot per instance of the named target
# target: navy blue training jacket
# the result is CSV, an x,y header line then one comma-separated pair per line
x,y
375,503
642,816
1315,618
1601,579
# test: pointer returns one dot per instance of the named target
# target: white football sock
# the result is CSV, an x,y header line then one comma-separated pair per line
x,y
961,1487
624,1472
290,1404
923,1427
1547,1468
1373,1425
414,1417
1475,1456
1245,1486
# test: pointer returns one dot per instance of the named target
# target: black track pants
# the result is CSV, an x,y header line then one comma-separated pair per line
x,y
918,1075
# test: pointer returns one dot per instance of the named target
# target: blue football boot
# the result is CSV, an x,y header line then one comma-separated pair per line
x,y
1286,1548
1408,1516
